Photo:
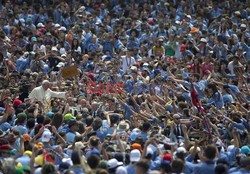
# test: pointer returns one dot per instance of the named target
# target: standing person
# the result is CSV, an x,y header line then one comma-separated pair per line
x,y
208,164
43,94
127,61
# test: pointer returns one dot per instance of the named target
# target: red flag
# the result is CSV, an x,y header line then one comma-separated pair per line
x,y
195,99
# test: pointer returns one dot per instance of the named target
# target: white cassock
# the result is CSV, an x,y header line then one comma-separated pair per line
x,y
39,94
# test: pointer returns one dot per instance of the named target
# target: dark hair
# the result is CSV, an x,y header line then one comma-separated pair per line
x,y
48,168
40,119
30,123
143,164
75,158
93,161
47,120
213,87
220,169
94,141
57,120
210,152
177,166
89,120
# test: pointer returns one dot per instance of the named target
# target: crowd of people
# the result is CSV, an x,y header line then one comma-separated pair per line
x,y
124,87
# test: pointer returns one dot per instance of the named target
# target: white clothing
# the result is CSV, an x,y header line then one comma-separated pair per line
x,y
39,94
127,63
231,67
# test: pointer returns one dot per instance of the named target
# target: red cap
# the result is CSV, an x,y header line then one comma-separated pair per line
x,y
5,147
167,157
17,102
91,75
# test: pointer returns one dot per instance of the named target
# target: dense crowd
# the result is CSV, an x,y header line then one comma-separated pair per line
x,y
124,87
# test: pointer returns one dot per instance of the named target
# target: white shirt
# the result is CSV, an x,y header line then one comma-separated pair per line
x,y
231,65
127,63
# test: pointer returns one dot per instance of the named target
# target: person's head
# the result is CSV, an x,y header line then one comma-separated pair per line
x,y
89,120
94,141
75,158
57,120
93,161
48,168
146,126
212,89
220,169
142,166
45,84
94,106
210,152
196,77
177,166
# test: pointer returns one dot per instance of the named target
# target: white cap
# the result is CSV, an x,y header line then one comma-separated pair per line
x,y
113,163
63,55
149,151
243,26
181,150
135,155
57,25
39,25
145,64
134,68
188,16
203,40
46,136
59,65
62,29
54,49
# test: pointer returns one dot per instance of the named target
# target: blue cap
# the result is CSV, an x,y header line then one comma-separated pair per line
x,y
34,39
50,114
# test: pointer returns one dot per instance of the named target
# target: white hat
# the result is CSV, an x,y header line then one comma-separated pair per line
x,y
149,151
54,49
243,26
46,136
57,25
177,22
59,65
63,55
39,25
134,68
62,29
135,155
145,64
181,150
203,40
123,126
188,16
113,163
22,20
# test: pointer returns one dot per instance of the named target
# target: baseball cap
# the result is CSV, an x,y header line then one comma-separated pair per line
x,y
113,163
54,49
167,157
49,114
135,155
62,29
17,102
72,122
46,136
40,25
136,146
68,117
149,151
245,150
